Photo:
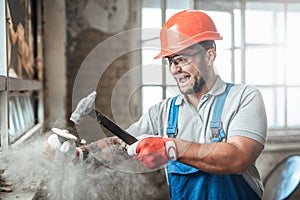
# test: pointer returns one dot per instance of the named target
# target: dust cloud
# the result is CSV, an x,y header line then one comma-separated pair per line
x,y
26,167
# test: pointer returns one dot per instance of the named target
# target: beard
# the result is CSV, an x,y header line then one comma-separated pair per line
x,y
197,83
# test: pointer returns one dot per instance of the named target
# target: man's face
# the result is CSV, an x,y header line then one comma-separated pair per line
x,y
190,70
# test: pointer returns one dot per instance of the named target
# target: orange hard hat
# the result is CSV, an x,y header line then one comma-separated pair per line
x,y
184,29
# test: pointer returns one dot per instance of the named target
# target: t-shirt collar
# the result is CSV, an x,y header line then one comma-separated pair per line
x,y
217,89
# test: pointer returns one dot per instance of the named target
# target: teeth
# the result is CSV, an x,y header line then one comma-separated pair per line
x,y
181,78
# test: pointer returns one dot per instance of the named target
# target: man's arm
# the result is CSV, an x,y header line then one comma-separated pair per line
x,y
232,157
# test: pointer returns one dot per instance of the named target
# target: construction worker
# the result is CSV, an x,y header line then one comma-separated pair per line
x,y
210,136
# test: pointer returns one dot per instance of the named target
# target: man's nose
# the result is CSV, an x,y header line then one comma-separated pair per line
x,y
178,68
175,68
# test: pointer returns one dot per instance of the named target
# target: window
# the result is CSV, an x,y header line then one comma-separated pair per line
x,y
20,71
157,83
259,47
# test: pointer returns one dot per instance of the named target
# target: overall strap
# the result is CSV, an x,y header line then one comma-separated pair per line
x,y
218,133
216,125
183,179
173,119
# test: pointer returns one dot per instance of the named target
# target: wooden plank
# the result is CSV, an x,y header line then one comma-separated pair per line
x,y
2,83
4,120
24,85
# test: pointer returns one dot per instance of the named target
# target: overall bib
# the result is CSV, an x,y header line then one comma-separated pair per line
x,y
186,182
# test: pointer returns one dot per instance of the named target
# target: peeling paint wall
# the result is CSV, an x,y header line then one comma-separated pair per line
x,y
91,23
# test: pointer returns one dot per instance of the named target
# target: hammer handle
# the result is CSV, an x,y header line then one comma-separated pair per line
x,y
115,129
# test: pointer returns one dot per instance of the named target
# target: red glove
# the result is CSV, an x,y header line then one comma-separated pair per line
x,y
153,151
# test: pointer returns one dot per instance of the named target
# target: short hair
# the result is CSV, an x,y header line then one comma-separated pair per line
x,y
207,44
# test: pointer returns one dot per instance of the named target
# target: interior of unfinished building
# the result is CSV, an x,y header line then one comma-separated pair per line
x,y
55,53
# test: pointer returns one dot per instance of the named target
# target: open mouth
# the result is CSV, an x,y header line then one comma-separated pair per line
x,y
182,79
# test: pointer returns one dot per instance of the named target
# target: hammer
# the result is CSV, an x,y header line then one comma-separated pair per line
x,y
86,107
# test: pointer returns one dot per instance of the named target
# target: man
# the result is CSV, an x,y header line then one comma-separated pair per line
x,y
203,161
214,170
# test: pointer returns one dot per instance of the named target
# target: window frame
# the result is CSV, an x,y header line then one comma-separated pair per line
x,y
9,84
229,6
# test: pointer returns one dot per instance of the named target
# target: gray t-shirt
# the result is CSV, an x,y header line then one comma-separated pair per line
x,y
243,115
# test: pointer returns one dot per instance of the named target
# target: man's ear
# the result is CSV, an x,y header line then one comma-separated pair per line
x,y
211,55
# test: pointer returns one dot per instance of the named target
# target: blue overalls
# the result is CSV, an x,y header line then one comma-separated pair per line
x,y
186,182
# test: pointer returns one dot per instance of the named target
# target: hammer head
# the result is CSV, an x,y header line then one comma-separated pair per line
x,y
83,108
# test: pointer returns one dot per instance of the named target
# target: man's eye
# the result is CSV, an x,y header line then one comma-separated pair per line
x,y
181,59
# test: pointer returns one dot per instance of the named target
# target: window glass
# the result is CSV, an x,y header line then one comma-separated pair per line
x,y
151,3
172,91
293,108
150,96
279,26
150,37
175,6
274,103
237,66
178,4
292,66
223,23
223,65
151,19
264,65
21,115
237,27
256,21
151,68
169,78
292,27
260,22
152,74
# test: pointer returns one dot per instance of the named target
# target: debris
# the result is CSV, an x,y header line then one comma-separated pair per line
x,y
4,186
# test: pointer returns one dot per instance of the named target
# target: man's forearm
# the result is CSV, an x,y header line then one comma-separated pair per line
x,y
218,158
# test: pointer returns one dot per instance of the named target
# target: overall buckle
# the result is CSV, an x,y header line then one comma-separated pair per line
x,y
217,132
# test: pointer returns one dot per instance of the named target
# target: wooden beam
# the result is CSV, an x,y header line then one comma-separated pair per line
x,y
23,85
2,83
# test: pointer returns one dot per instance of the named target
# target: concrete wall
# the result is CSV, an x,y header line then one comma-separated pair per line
x,y
55,61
